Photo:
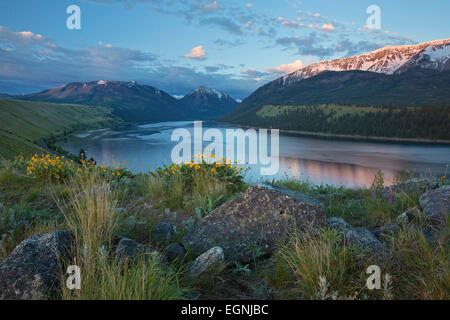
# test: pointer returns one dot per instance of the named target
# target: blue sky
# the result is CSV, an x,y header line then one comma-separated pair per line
x,y
177,45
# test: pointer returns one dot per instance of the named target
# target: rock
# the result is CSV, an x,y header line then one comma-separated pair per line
x,y
385,232
212,257
302,197
253,224
435,205
129,250
338,224
163,232
358,236
32,270
175,251
403,218
416,184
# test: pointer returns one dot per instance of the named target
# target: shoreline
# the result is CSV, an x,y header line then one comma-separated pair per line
x,y
349,137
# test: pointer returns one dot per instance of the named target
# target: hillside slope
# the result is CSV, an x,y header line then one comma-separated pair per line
x,y
25,122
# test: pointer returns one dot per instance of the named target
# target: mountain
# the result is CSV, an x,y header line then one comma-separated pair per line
x,y
388,60
204,103
415,75
129,100
139,103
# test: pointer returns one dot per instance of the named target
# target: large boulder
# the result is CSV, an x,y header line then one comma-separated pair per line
x,y
253,224
435,205
360,237
33,269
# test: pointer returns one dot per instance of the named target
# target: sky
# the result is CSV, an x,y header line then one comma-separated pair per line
x,y
178,45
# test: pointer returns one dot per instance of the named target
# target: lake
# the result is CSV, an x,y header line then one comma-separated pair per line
x,y
318,160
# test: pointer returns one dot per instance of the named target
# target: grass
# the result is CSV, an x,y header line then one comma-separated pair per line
x,y
24,123
99,204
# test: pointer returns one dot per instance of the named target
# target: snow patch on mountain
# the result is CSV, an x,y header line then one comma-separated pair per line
x,y
387,60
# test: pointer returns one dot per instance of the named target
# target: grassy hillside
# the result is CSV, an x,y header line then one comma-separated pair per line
x,y
24,123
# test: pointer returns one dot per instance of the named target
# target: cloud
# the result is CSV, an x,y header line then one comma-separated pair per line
x,y
31,63
309,45
254,73
290,23
286,68
197,53
225,23
324,27
216,68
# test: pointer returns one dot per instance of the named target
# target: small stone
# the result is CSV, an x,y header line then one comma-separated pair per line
x,y
163,232
212,257
175,251
403,219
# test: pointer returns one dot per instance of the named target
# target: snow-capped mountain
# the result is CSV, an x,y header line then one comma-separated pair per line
x,y
206,103
388,60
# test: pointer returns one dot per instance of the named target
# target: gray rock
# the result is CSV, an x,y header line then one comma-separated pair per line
x,y
403,218
253,224
435,205
212,257
357,236
338,224
128,250
32,270
416,184
175,251
163,232
302,197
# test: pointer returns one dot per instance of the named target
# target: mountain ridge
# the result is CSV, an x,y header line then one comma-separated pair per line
x,y
387,60
134,102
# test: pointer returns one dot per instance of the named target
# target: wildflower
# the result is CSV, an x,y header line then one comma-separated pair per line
x,y
389,195
443,178
213,170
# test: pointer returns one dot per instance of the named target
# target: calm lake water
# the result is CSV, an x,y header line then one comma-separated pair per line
x,y
338,162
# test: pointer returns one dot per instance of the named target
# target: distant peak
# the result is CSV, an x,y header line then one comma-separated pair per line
x,y
102,82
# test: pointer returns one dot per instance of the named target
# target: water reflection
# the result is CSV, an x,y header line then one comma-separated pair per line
x,y
348,163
